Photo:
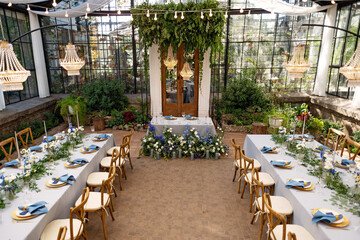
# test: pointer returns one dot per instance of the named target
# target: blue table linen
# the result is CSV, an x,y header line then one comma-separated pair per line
x,y
69,179
12,163
34,209
325,217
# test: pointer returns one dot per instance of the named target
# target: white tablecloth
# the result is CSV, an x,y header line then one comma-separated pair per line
x,y
59,199
303,202
179,125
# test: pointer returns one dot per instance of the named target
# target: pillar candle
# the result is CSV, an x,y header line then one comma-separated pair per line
x,y
180,153
152,153
303,130
207,154
45,129
173,154
17,146
191,156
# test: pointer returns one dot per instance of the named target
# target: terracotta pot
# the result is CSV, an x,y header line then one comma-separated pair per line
x,y
99,123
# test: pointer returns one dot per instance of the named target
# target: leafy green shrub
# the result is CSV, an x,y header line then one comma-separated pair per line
x,y
356,136
105,95
117,118
315,125
331,124
245,94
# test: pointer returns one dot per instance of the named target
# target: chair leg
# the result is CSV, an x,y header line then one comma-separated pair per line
x,y
130,160
124,172
236,168
261,225
253,217
251,198
114,191
103,222
111,213
119,173
243,190
84,232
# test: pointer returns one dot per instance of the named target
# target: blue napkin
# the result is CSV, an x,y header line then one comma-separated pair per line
x,y
91,148
280,163
64,178
35,148
101,136
325,217
49,139
344,162
293,183
307,135
12,163
267,149
34,209
78,161
169,117
322,148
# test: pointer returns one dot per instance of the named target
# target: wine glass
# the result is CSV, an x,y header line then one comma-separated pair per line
x,y
183,114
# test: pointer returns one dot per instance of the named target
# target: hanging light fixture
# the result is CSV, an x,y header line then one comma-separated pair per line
x,y
28,7
88,7
186,72
351,70
170,60
54,4
72,63
119,12
12,74
47,11
297,65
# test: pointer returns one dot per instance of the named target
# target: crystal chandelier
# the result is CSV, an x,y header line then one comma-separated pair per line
x,y
186,72
12,74
351,70
297,65
170,60
72,63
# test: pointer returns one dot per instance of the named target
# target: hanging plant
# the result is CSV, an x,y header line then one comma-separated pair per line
x,y
192,31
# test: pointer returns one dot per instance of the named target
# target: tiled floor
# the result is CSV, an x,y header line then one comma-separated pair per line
x,y
177,199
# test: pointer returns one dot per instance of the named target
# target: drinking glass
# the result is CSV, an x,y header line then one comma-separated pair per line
x,y
183,114
92,128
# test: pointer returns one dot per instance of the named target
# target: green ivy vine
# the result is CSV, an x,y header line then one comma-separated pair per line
x,y
192,31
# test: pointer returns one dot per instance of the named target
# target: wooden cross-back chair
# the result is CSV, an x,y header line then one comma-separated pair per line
x,y
278,229
99,201
291,236
334,134
28,137
7,150
75,223
348,145
280,204
239,162
127,140
265,178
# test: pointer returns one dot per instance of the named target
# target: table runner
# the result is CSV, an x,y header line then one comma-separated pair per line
x,y
302,202
59,199
179,125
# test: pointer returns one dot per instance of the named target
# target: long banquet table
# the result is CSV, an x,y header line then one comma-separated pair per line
x,y
302,201
179,125
59,199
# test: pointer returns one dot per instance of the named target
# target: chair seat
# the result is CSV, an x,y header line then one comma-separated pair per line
x,y
265,178
52,229
95,179
300,232
110,151
257,164
280,205
94,201
106,161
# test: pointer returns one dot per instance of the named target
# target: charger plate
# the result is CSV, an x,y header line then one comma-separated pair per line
x,y
170,118
192,118
85,152
307,188
318,151
341,166
287,166
16,215
272,152
306,139
59,184
72,166
339,223
99,140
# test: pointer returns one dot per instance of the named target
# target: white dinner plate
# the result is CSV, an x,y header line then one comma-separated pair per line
x,y
328,210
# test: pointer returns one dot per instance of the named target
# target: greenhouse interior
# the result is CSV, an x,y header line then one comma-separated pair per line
x,y
180,119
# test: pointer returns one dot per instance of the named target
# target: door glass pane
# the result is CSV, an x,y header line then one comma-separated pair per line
x,y
189,84
171,85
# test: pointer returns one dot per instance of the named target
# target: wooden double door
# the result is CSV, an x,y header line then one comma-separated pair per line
x,y
180,96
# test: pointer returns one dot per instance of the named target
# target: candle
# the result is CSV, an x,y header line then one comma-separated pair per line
x,y
45,129
68,120
207,154
180,153
303,130
217,155
173,154
152,153
17,146
157,156
191,156
287,127
77,117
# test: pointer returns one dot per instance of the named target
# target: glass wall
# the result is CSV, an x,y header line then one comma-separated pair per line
x,y
15,24
344,45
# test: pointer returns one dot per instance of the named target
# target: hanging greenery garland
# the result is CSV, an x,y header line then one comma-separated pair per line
x,y
191,30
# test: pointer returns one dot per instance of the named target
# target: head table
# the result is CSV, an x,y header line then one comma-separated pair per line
x,y
303,202
59,199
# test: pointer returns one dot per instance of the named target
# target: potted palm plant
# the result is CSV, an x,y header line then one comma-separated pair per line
x,y
72,106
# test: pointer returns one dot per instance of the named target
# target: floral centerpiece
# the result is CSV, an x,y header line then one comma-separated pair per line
x,y
189,142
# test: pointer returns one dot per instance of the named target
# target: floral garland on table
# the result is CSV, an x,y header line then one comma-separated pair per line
x,y
33,170
322,167
190,142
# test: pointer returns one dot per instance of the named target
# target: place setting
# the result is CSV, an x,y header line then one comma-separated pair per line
x,y
299,184
284,164
329,217
273,150
79,162
61,181
100,137
90,149
30,211
344,163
